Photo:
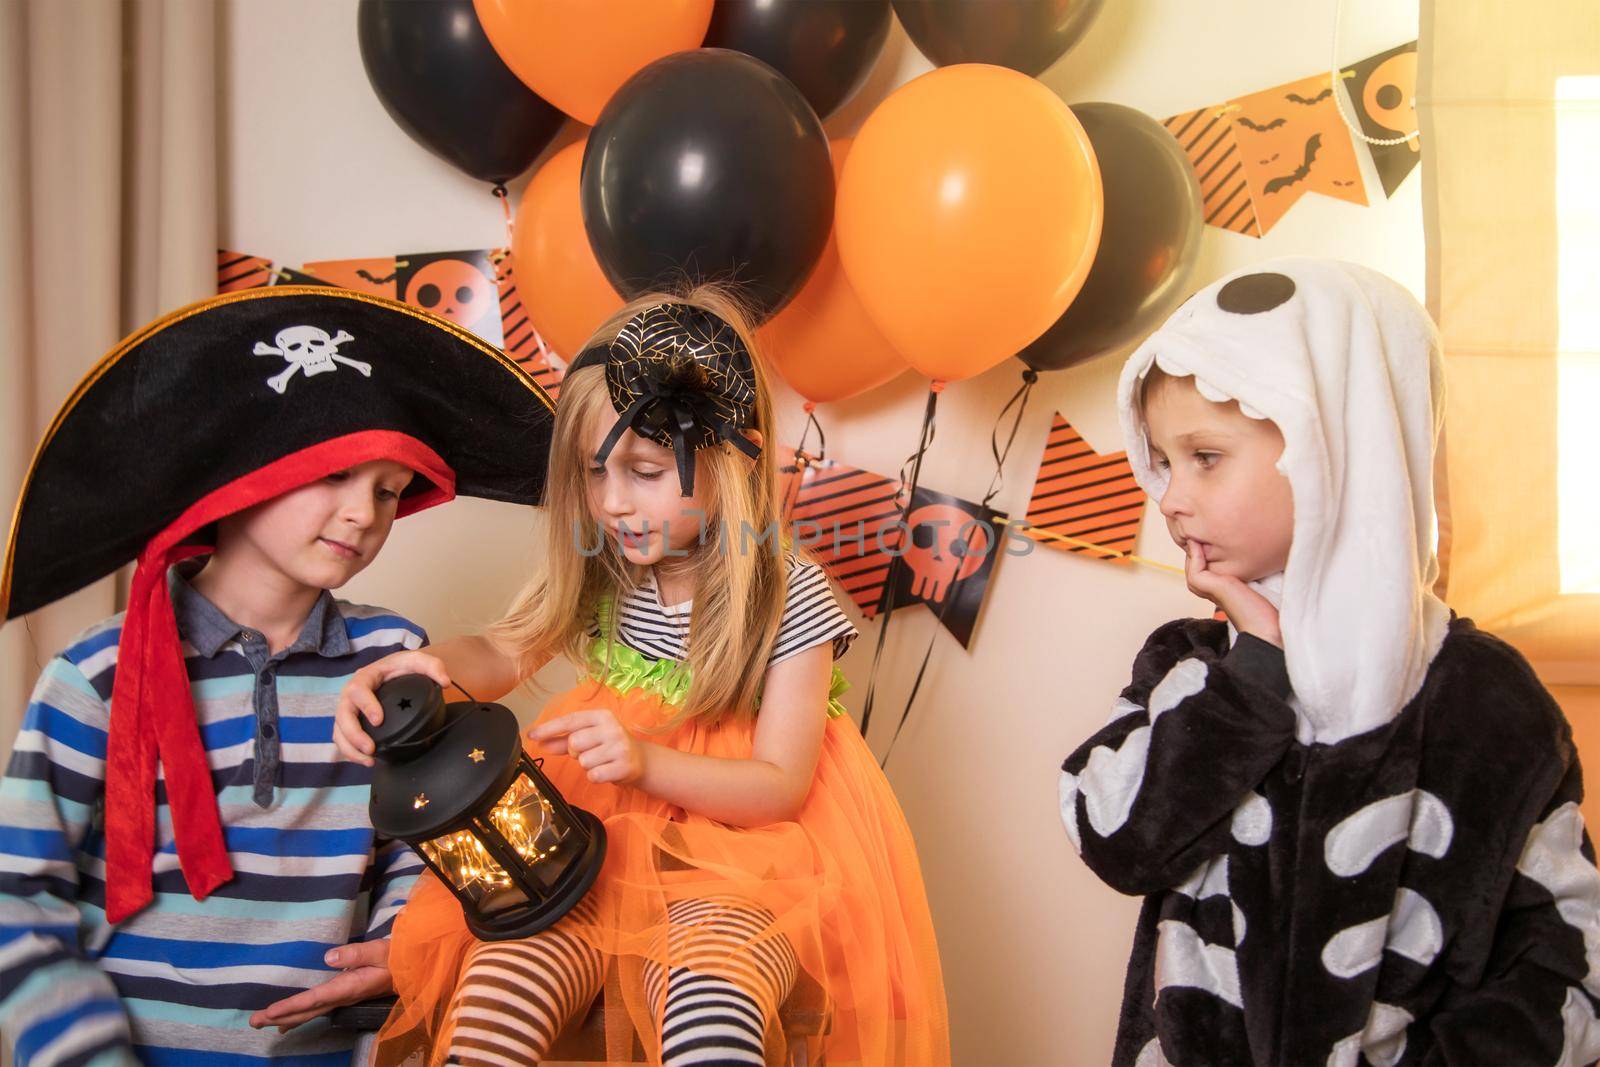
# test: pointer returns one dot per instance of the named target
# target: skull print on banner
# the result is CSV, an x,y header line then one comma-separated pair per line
x,y
948,548
850,520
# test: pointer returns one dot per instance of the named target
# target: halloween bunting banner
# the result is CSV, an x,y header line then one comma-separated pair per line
x,y
850,519
1258,154
1084,500
473,288
1383,89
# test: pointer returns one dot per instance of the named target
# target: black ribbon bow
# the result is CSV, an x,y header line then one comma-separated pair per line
x,y
680,376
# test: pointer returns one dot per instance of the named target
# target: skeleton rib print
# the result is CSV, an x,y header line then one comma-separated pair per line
x,y
1369,901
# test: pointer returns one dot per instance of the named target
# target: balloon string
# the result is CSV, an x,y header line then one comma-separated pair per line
x,y
802,459
928,433
504,196
1019,398
1337,74
810,409
952,594
886,598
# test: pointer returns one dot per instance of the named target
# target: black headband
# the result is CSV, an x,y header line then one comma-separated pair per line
x,y
680,376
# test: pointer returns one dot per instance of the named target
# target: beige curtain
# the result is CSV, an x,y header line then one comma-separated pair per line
x,y
1488,109
108,215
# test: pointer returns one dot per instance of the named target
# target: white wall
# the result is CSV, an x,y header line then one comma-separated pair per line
x,y
1033,945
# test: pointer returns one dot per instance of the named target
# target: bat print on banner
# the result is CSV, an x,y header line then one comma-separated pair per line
x,y
1383,92
1292,141
375,276
463,287
1256,155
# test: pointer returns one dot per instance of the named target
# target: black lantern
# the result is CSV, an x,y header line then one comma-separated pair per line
x,y
453,782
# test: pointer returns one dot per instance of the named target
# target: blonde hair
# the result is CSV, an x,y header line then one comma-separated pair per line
x,y
738,595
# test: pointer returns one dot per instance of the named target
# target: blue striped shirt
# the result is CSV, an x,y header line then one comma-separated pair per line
x,y
177,982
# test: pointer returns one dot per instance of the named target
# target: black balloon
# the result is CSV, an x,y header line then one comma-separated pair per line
x,y
1025,35
708,166
826,47
1149,240
436,74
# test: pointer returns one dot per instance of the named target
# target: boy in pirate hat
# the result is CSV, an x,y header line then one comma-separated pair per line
x,y
217,905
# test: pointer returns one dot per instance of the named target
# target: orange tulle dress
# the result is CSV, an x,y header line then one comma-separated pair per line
x,y
842,883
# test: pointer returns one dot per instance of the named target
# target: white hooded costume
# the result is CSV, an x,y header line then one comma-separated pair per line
x,y
1365,848
1346,364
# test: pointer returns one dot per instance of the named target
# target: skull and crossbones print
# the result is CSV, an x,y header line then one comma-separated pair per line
x,y
310,350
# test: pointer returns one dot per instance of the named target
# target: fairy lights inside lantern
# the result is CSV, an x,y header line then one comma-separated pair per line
x,y
453,782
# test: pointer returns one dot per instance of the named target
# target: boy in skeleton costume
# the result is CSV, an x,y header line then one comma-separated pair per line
x,y
1353,816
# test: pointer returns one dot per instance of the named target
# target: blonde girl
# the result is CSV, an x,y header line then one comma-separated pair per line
x,y
753,842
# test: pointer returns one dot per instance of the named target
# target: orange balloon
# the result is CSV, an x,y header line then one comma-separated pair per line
x,y
968,216
824,343
561,285
575,53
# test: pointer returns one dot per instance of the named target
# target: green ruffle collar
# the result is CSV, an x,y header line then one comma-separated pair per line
x,y
613,664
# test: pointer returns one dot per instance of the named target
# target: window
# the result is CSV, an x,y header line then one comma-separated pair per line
x,y
1578,367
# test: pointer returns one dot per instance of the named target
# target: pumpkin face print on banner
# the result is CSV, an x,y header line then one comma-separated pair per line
x,y
459,286
464,287
1384,91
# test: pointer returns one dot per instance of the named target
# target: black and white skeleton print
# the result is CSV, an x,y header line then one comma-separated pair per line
x,y
1423,892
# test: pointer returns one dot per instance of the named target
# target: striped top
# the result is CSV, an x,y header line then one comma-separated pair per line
x,y
177,982
811,616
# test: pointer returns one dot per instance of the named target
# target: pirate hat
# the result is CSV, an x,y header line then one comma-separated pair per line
x,y
209,410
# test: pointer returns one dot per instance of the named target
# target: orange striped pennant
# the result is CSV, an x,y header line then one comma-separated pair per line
x,y
522,341
1084,494
827,505
240,270
1207,138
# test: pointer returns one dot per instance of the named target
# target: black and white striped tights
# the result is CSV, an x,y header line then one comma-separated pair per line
x,y
515,996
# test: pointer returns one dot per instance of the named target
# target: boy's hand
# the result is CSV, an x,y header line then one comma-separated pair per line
x,y
1249,611
359,697
600,744
364,974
